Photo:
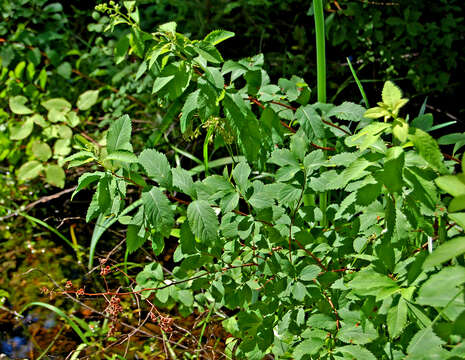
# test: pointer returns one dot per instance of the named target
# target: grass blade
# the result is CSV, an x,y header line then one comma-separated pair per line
x,y
359,84
60,313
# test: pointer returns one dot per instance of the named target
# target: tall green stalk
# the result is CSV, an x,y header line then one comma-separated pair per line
x,y
320,49
321,78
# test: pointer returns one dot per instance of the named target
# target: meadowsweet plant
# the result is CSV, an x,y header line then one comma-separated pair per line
x,y
376,273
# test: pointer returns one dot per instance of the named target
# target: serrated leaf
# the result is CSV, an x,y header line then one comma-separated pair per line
x,y
123,156
157,167
208,52
87,99
376,113
119,135
359,335
103,193
355,352
391,175
429,150
29,170
370,279
391,94
158,211
161,82
17,105
442,287
445,252
348,111
283,157
241,175
55,175
189,107
424,341
311,122
203,221
307,347
85,180
217,36
309,273
182,180
397,318
133,240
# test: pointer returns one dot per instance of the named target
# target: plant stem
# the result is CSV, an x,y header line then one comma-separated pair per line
x,y
320,49
321,75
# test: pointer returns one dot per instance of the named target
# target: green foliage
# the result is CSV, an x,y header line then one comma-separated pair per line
x,y
321,231
359,285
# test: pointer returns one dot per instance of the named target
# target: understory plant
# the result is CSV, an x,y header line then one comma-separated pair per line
x,y
323,233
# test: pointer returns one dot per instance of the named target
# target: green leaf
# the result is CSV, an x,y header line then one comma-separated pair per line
x,y
85,180
158,210
103,194
123,156
161,82
457,203
119,135
208,52
352,352
133,240
445,252
359,335
310,272
17,105
203,221
452,184
157,167
182,180
65,69
87,99
217,36
425,341
459,218
299,291
29,170
168,27
283,157
241,175
62,147
310,122
307,347
57,104
370,279
121,49
441,288
391,94
188,109
400,130
429,150
397,318
41,150
367,136
55,175
22,130
376,113
391,175
348,111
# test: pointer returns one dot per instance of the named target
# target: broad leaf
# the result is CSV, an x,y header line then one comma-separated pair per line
x,y
119,135
203,221
157,167
158,211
